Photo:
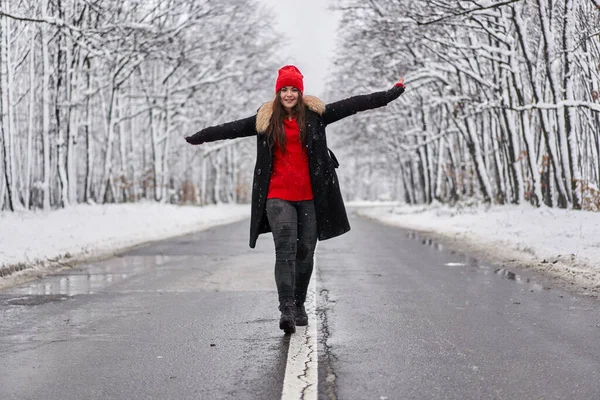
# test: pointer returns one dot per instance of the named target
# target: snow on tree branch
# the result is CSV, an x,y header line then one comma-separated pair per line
x,y
519,81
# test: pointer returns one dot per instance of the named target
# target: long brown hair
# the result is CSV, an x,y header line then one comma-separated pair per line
x,y
275,132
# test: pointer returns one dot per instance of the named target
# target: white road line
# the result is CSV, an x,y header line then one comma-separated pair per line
x,y
300,380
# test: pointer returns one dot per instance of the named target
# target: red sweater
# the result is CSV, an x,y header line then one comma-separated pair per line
x,y
290,177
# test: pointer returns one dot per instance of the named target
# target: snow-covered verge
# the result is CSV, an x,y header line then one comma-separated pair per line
x,y
562,245
34,243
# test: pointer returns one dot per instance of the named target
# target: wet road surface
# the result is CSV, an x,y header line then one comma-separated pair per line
x,y
196,317
408,319
189,318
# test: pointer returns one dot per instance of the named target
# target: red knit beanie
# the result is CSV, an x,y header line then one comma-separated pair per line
x,y
289,76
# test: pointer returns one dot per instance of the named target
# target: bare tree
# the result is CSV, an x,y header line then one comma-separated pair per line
x,y
527,119
97,96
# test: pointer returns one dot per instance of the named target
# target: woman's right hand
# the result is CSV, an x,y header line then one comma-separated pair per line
x,y
400,83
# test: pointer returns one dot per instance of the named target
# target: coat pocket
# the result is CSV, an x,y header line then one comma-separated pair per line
x,y
333,159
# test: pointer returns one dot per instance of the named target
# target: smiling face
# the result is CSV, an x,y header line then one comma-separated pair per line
x,y
288,96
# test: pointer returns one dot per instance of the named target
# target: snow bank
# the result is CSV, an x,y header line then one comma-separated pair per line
x,y
41,240
562,244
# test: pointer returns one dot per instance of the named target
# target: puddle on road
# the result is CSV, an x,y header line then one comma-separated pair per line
x,y
90,279
455,264
473,262
426,241
35,300
517,278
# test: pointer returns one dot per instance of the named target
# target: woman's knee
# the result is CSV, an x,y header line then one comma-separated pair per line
x,y
304,251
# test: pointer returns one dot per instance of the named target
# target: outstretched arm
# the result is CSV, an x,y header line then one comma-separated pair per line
x,y
352,105
230,130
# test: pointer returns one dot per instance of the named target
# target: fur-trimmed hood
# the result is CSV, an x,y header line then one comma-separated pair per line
x,y
266,110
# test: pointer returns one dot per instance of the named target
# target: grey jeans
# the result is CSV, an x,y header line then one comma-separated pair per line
x,y
294,227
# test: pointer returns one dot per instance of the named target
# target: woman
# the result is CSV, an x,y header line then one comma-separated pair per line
x,y
295,193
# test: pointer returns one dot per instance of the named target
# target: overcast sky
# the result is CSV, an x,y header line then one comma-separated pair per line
x,y
310,28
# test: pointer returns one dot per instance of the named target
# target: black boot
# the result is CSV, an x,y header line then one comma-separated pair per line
x,y
287,322
301,317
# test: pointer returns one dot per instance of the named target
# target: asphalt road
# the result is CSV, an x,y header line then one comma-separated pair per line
x,y
196,317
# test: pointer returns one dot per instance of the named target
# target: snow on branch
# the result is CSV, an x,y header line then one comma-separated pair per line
x,y
596,3
518,80
551,106
44,20
480,7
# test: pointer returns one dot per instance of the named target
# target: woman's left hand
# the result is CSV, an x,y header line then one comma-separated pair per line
x,y
400,83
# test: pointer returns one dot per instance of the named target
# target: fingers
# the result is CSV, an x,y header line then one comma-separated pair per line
x,y
400,83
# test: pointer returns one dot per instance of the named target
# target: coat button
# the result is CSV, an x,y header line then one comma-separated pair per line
x,y
258,172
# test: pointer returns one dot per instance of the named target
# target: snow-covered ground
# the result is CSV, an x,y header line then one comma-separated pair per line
x,y
31,243
562,244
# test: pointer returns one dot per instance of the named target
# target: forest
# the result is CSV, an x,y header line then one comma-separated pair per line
x,y
502,103
97,96
502,107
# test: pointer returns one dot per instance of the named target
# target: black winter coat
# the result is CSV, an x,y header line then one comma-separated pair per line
x,y
331,214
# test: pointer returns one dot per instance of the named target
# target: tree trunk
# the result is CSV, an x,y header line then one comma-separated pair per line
x,y
472,142
440,170
569,95
107,178
89,149
552,70
166,149
72,85
7,109
498,164
538,96
203,180
61,157
31,127
514,152
45,113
